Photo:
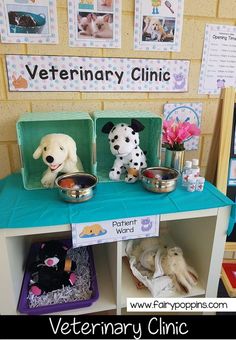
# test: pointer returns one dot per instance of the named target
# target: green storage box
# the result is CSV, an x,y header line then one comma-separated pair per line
x,y
31,127
150,138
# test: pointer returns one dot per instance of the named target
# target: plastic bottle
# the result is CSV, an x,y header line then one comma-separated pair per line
x,y
195,168
187,170
192,184
200,184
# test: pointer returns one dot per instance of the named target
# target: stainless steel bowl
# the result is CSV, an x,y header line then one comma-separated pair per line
x,y
159,179
82,190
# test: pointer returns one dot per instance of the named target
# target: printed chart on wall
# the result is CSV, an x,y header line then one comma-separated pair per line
x,y
219,59
158,25
94,23
28,21
185,112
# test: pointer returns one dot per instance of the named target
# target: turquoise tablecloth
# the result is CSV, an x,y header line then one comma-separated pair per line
x,y
22,208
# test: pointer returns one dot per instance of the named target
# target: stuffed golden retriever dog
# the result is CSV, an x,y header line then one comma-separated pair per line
x,y
58,152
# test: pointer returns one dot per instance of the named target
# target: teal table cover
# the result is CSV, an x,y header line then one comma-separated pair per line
x,y
21,208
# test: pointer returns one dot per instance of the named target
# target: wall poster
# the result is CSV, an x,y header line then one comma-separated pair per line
x,y
185,112
71,74
94,23
218,68
28,21
158,25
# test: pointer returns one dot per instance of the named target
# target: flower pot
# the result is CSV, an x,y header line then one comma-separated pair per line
x,y
175,159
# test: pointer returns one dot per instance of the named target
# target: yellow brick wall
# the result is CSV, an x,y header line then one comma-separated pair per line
x,y
196,15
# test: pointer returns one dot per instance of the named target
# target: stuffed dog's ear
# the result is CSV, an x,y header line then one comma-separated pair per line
x,y
38,152
136,125
72,155
107,127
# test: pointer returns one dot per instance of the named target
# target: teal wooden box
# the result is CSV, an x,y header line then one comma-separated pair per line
x,y
31,127
150,138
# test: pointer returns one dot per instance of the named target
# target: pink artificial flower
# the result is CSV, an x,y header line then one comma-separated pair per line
x,y
176,133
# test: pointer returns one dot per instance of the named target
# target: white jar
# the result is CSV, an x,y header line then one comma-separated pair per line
x,y
200,184
192,181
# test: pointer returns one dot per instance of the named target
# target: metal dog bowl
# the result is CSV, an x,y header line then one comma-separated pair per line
x,y
76,187
159,179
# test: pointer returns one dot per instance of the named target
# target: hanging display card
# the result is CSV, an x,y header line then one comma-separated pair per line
x,y
54,73
94,23
158,25
84,234
185,112
218,68
28,21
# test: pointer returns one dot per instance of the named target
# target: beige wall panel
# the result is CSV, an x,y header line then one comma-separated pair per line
x,y
227,9
66,106
207,139
200,8
9,114
5,168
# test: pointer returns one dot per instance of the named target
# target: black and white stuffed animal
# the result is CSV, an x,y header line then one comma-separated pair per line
x,y
124,144
53,269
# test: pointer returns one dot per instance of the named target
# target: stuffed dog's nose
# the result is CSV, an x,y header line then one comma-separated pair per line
x,y
116,147
49,159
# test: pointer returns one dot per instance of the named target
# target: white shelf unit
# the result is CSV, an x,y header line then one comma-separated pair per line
x,y
201,234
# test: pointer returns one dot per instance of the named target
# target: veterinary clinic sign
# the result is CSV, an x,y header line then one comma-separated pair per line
x,y
56,73
114,230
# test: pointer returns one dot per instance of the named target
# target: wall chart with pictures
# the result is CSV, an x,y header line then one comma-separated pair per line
x,y
185,112
94,23
28,21
158,25
70,74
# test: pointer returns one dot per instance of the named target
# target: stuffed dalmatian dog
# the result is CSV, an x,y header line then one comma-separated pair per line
x,y
124,144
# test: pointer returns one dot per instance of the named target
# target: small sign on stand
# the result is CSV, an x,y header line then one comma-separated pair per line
x,y
84,234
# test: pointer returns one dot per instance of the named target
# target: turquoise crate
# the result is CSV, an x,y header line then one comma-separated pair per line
x,y
150,138
31,127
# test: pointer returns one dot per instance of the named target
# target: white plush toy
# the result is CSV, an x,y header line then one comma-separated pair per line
x,y
174,265
58,152
124,144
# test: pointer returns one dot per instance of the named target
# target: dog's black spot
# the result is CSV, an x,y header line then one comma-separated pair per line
x,y
116,137
135,141
131,161
141,163
129,179
113,128
176,254
113,140
137,154
121,158
136,147
133,133
136,163
45,148
125,129
121,124
141,152
112,169
127,140
118,172
121,167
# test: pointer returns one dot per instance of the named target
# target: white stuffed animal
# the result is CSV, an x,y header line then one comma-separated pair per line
x,y
58,152
124,144
175,266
